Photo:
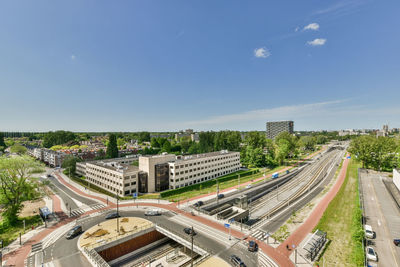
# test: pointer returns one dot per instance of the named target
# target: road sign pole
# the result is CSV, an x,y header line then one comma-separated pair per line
x,y
191,252
229,233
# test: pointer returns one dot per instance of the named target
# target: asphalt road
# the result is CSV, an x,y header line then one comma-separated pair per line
x,y
383,215
67,194
65,252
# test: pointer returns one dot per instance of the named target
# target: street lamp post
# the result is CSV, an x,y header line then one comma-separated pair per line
x,y
191,251
117,215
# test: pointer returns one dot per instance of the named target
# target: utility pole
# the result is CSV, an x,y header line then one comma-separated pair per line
x,y
191,251
1,253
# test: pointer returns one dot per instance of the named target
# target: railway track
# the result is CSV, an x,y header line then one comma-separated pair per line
x,y
289,185
319,172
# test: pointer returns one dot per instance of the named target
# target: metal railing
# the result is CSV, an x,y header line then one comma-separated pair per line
x,y
95,258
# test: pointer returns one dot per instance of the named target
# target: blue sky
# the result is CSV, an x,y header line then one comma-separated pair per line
x,y
207,65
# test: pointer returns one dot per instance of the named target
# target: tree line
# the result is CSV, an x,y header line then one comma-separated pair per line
x,y
379,153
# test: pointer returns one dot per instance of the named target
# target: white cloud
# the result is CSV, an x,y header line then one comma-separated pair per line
x,y
297,29
261,52
317,42
284,112
311,26
73,57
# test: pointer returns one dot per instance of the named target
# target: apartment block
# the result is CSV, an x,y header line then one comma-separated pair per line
x,y
276,127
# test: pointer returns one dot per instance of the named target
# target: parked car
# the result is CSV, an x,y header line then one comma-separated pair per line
x,y
74,232
152,212
396,242
199,203
275,175
189,231
368,231
236,261
219,196
112,215
371,254
253,246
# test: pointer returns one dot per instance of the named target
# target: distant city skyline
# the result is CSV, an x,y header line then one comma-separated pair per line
x,y
171,65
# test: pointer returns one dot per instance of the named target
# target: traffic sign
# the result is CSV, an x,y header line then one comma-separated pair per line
x,y
134,195
227,225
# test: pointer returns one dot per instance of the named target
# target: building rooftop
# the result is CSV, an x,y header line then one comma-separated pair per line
x,y
115,166
204,155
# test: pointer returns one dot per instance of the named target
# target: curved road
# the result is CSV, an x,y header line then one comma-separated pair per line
x,y
64,252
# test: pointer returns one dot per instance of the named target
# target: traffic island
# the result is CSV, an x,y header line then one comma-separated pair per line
x,y
136,241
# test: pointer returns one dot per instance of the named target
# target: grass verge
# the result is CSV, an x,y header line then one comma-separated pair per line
x,y
10,233
342,222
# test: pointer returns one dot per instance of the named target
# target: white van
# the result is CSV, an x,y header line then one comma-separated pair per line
x,y
368,231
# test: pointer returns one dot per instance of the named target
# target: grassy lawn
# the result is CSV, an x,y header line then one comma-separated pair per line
x,y
341,221
10,233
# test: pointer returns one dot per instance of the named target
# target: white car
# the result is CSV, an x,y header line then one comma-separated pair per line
x,y
368,231
249,186
152,212
371,254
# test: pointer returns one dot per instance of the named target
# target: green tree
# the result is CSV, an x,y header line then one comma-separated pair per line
x,y
154,143
16,185
255,139
206,142
307,143
283,150
166,146
120,142
57,138
112,148
2,144
18,149
194,148
144,137
69,164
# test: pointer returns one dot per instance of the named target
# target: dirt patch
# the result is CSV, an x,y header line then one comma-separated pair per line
x,y
31,208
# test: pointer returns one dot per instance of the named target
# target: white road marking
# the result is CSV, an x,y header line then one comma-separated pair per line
x,y
379,222
372,198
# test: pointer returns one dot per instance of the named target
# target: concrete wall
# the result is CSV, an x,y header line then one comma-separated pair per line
x,y
396,178
133,244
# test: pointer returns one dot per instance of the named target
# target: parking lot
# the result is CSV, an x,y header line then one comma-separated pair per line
x,y
383,215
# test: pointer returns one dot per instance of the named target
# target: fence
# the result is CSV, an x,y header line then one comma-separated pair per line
x,y
95,258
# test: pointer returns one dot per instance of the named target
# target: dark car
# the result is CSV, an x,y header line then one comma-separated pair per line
x,y
199,203
236,261
189,231
74,232
219,196
112,216
396,242
253,246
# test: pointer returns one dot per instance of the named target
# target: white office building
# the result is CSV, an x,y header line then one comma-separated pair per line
x,y
119,179
193,169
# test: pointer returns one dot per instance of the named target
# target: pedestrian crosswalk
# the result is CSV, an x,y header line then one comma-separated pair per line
x,y
265,261
260,235
79,211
